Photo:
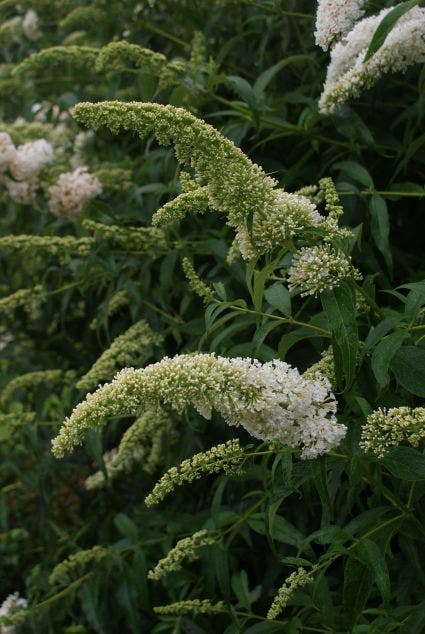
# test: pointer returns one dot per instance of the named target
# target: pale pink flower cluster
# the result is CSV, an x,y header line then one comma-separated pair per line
x,y
20,166
72,191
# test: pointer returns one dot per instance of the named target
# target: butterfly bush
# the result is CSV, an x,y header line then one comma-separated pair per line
x,y
70,194
335,18
186,549
386,428
11,607
319,268
348,74
142,443
272,401
241,191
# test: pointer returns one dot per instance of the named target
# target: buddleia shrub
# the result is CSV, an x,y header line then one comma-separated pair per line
x,y
211,316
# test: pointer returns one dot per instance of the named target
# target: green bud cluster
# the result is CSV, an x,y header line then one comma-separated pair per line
x,y
142,442
78,60
296,580
325,366
196,284
191,606
195,202
77,565
186,549
388,428
27,298
56,246
226,457
146,239
32,380
134,345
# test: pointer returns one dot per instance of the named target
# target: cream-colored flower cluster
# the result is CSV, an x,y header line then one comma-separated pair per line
x,y
295,580
335,18
272,401
388,428
348,74
226,457
12,606
241,190
20,167
135,344
141,443
68,197
186,549
320,268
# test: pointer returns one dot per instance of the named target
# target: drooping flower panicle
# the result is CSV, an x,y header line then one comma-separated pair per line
x,y
271,400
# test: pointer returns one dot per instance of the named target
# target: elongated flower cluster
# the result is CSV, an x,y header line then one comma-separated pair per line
x,y
191,606
71,193
196,284
117,302
295,580
76,565
271,400
226,457
335,18
144,239
23,164
11,607
388,428
186,549
348,74
195,201
325,366
134,345
319,268
141,443
61,247
27,298
122,56
62,60
235,186
31,380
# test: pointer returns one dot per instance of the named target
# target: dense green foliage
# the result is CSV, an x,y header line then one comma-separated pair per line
x,y
97,288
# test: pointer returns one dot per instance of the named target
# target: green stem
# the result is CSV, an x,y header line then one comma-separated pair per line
x,y
286,320
372,192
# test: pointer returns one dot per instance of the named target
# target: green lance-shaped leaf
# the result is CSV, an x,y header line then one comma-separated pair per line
x,y
386,25
339,305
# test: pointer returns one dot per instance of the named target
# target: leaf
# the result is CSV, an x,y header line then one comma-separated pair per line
x,y
241,588
408,366
126,526
266,76
244,90
405,463
371,555
278,297
380,227
384,353
386,25
356,589
357,172
340,309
